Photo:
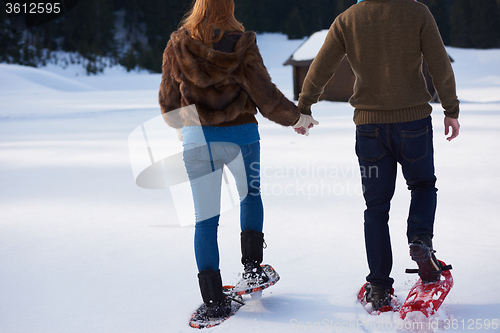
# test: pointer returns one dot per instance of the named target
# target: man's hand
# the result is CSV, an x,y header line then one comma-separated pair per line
x,y
455,127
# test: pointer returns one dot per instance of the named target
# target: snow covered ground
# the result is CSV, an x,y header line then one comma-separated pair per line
x,y
83,249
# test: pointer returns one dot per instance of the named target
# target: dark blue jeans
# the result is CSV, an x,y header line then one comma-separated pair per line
x,y
204,165
380,147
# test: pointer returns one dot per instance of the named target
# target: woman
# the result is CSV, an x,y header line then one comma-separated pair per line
x,y
212,63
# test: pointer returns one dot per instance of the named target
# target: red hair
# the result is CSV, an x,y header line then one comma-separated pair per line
x,y
207,15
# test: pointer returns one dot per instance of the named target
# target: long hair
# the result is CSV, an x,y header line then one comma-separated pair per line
x,y
207,15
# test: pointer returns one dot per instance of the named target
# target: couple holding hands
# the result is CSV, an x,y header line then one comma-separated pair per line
x,y
212,63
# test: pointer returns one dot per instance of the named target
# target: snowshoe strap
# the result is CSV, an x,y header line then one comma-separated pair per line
x,y
235,300
416,271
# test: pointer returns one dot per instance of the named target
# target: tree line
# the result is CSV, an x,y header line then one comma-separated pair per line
x,y
134,33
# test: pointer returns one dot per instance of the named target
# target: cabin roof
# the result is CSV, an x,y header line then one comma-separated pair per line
x,y
308,50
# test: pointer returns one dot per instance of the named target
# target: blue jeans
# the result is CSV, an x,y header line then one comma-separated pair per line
x,y
380,147
204,165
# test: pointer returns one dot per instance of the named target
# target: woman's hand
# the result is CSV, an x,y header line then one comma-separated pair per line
x,y
304,123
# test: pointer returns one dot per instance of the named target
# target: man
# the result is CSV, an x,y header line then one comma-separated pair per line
x,y
385,41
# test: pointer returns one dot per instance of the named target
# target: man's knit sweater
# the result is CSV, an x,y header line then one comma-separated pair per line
x,y
384,41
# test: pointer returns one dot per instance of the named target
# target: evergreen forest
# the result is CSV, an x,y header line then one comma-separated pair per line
x,y
134,33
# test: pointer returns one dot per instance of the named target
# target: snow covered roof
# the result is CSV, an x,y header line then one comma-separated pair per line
x,y
308,50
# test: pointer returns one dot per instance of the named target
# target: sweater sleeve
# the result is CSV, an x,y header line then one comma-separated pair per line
x,y
169,96
322,68
270,101
439,64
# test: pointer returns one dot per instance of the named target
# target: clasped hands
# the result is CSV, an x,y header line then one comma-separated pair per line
x,y
304,123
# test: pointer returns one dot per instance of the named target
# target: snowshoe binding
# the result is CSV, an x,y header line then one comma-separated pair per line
x,y
429,268
214,313
256,279
435,282
427,297
376,299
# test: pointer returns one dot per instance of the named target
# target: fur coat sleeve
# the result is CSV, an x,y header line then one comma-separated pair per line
x,y
268,98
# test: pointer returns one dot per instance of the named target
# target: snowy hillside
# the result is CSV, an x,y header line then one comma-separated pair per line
x,y
83,249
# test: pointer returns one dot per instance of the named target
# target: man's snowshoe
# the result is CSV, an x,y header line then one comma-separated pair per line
x,y
435,281
376,300
427,297
429,268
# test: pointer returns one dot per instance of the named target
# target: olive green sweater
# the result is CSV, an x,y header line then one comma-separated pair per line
x,y
384,41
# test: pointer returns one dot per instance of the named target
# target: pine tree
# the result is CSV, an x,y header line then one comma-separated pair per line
x,y
245,12
89,30
475,24
161,18
293,26
342,5
461,24
441,11
485,24
325,11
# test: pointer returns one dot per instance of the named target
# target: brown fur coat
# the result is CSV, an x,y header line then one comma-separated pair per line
x,y
225,87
